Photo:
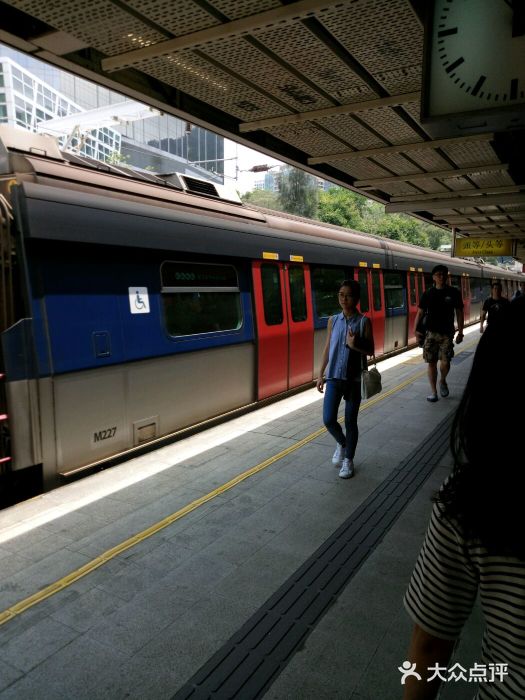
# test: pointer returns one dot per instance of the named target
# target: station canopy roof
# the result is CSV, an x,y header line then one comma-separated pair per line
x,y
331,87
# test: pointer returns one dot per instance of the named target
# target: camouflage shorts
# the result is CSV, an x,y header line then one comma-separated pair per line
x,y
438,347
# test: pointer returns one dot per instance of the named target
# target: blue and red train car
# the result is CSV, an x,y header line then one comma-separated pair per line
x,y
136,307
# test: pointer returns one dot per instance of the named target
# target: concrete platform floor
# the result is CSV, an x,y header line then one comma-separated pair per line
x,y
123,584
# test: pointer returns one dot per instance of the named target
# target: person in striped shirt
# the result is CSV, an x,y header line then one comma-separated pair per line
x,y
475,541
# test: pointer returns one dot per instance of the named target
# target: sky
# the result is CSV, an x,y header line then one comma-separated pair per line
x,y
237,160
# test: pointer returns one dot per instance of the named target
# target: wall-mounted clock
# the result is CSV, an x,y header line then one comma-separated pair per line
x,y
474,67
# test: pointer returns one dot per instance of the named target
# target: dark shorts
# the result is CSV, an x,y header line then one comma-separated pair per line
x,y
438,347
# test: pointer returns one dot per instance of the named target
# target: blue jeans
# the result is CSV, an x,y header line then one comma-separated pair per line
x,y
333,394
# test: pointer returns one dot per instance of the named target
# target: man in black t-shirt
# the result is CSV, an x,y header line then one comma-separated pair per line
x,y
493,305
439,304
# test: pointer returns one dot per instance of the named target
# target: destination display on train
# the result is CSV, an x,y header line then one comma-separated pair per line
x,y
182,274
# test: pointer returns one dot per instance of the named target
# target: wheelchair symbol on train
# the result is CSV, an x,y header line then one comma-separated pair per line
x,y
138,300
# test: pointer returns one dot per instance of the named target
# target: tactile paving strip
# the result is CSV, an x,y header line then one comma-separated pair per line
x,y
251,660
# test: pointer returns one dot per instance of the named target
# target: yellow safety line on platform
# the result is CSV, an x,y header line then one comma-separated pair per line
x,y
67,580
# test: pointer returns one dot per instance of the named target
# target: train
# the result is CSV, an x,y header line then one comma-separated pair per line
x,y
137,307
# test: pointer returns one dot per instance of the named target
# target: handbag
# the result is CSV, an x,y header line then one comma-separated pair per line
x,y
370,378
370,382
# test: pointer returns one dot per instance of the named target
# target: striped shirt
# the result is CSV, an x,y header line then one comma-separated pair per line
x,y
442,591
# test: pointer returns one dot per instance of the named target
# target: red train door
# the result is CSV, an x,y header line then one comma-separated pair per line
x,y
284,322
372,303
413,301
465,293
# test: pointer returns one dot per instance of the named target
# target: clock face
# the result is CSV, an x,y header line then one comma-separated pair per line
x,y
477,56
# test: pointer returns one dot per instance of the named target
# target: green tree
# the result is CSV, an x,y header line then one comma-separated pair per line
x,y
262,198
371,216
298,192
436,236
401,227
341,207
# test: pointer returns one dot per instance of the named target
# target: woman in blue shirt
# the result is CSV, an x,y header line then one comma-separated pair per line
x,y
349,340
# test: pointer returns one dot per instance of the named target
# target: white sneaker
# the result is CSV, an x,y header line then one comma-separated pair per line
x,y
338,454
347,469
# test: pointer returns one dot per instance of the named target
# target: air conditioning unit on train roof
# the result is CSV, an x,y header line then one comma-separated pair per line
x,y
15,139
205,188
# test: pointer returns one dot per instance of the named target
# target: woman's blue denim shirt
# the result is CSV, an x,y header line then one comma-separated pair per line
x,y
338,354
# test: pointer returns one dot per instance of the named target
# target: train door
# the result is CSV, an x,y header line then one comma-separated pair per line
x,y
420,283
465,293
285,332
372,303
413,302
396,310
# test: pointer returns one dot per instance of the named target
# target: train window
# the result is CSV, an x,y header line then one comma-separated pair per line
x,y
413,296
394,291
376,290
200,298
421,283
326,282
272,298
455,281
297,293
362,278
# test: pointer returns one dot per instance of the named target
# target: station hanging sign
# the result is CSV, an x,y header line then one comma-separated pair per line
x,y
471,247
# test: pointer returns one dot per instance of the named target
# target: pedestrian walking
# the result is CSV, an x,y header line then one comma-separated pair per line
x,y
438,304
492,305
349,340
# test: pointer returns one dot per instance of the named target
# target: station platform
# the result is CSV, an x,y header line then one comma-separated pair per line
x,y
235,563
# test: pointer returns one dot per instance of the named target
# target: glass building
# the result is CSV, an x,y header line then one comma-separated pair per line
x,y
25,100
32,91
